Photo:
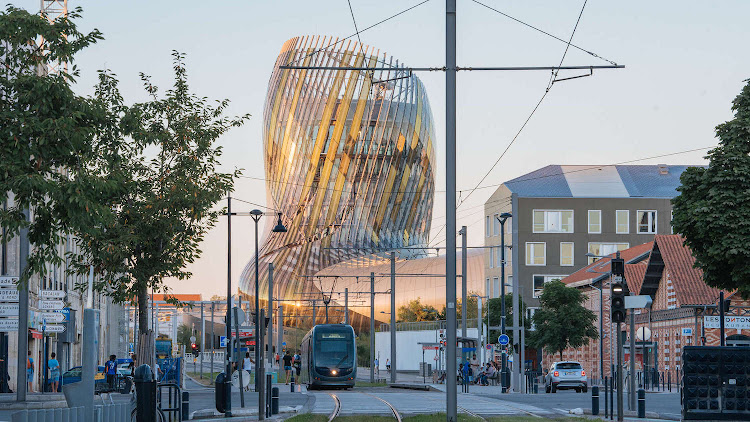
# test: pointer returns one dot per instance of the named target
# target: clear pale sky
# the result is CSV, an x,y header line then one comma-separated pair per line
x,y
685,62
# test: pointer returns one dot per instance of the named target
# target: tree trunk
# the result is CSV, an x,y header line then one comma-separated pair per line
x,y
143,309
561,355
146,347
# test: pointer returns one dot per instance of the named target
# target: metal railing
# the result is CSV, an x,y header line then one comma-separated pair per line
x,y
115,412
423,325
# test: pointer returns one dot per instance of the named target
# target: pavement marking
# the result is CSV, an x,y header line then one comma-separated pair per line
x,y
336,407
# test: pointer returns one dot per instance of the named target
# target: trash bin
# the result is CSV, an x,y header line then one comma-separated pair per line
x,y
145,386
220,392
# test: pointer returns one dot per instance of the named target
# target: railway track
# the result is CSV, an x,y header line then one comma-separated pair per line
x,y
336,407
393,409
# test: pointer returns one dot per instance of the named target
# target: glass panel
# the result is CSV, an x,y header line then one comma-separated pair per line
x,y
622,221
538,284
492,258
496,287
595,217
567,221
487,226
496,224
566,254
538,221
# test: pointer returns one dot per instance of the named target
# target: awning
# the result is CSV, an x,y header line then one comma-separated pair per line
x,y
35,333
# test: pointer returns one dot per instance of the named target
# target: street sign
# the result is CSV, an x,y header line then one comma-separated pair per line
x,y
54,329
503,339
52,294
192,339
8,309
283,343
50,305
50,317
687,332
8,325
6,281
429,347
489,347
223,341
8,295
730,321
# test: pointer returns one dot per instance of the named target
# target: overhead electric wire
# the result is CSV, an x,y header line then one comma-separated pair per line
x,y
546,33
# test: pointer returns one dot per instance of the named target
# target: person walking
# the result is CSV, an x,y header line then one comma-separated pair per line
x,y
54,372
297,363
277,359
388,365
30,372
110,368
287,366
377,366
248,365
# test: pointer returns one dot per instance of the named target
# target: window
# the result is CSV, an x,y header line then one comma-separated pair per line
x,y
530,315
540,280
487,226
487,287
492,257
496,225
498,257
604,249
646,222
546,221
671,219
536,253
495,287
595,221
566,254
622,222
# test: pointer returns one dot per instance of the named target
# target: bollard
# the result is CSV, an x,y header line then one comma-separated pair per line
x,y
641,403
292,383
145,386
536,386
606,397
220,392
669,381
595,400
269,384
275,401
185,405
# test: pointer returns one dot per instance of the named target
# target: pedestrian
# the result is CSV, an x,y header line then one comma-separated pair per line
x,y
248,365
297,362
54,371
377,366
30,372
277,359
111,370
287,366
388,365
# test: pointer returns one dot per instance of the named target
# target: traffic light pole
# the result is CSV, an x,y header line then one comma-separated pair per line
x,y
619,373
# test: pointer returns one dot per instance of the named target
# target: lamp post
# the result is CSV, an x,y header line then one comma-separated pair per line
x,y
502,218
259,369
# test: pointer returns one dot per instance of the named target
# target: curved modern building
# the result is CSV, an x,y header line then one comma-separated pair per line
x,y
349,162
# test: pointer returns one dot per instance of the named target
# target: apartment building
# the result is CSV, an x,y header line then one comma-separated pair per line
x,y
561,213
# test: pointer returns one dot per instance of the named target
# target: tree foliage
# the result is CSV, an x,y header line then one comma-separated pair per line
x,y
184,332
495,316
47,132
712,210
562,321
415,310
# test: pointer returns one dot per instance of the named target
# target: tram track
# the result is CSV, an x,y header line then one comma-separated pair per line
x,y
393,409
336,407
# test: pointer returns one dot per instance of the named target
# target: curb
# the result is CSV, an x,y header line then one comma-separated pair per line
x,y
422,387
628,414
211,413
27,405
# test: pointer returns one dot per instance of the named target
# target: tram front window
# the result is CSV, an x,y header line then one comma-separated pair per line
x,y
332,349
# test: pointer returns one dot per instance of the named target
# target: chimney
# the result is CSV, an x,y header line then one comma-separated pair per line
x,y
663,169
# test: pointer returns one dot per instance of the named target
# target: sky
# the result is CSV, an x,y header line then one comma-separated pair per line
x,y
685,61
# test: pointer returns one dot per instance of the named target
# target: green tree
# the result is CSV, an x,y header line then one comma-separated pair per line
x,y
562,321
712,209
184,332
47,131
496,317
164,150
415,310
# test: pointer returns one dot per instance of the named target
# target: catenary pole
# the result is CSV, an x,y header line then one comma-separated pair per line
x,y
269,341
619,373
372,327
393,317
504,357
228,354
450,207
213,346
203,338
346,306
464,303
23,313
631,380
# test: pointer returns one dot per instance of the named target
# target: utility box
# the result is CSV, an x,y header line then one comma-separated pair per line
x,y
715,383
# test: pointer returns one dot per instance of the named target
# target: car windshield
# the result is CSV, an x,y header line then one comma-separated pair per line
x,y
332,348
569,365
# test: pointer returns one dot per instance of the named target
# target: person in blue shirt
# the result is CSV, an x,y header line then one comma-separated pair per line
x,y
111,368
54,372
30,372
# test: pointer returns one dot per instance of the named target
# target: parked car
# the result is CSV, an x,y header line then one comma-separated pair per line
x,y
74,375
566,375
123,370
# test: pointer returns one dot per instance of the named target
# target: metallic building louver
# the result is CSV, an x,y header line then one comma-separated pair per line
x,y
349,161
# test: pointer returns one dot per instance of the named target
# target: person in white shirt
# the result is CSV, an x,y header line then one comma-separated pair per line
x,y
248,365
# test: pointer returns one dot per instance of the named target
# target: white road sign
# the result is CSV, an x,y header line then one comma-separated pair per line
x,y
49,317
8,309
51,305
730,321
54,329
8,295
52,294
6,281
8,325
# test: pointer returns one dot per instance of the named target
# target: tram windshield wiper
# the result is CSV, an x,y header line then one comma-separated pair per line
x,y
343,359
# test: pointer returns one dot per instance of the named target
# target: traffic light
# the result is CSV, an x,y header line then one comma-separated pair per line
x,y
194,347
726,304
618,301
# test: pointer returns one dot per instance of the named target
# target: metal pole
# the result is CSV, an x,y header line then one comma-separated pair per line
x,y
504,358
480,328
464,303
260,371
269,353
721,317
280,331
450,207
213,346
258,356
619,374
372,327
227,359
631,379
237,358
601,331
315,314
522,349
516,334
23,313
203,338
393,317
346,306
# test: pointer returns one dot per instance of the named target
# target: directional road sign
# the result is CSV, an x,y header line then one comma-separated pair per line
x,y
8,281
50,317
503,339
52,294
222,341
54,329
8,295
8,325
8,309
283,343
50,305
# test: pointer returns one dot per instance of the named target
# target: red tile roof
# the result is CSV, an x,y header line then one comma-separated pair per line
x,y
634,275
603,265
182,297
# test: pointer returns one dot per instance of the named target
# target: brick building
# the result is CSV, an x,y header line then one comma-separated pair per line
x,y
681,313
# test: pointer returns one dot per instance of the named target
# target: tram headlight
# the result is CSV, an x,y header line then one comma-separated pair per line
x,y
334,372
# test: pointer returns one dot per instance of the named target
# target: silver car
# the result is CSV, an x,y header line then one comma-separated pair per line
x,y
566,375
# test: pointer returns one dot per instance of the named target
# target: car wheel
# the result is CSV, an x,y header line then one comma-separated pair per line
x,y
553,389
546,389
578,390
585,389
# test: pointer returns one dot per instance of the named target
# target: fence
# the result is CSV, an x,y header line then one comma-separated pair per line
x,y
106,413
171,370
423,325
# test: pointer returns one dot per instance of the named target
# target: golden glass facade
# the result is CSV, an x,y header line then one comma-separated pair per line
x,y
349,158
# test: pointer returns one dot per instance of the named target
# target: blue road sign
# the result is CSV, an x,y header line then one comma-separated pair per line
x,y
223,341
283,343
503,339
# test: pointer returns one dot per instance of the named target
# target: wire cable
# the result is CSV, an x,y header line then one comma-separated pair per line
x,y
546,33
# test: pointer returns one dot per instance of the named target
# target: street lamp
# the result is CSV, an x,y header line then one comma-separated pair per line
x,y
502,218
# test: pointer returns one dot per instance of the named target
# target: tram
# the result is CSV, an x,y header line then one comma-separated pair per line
x,y
329,357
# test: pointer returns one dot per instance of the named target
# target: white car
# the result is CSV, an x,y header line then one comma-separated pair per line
x,y
566,375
